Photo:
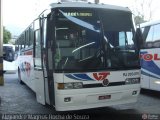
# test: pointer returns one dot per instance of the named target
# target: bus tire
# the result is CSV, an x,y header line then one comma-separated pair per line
x,y
19,77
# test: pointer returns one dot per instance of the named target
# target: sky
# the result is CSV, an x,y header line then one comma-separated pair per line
x,y
18,14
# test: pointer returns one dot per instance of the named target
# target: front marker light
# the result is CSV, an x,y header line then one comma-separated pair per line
x,y
132,81
60,86
134,92
67,99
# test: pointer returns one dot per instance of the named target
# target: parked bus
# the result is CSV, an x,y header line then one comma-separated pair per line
x,y
9,65
81,55
150,55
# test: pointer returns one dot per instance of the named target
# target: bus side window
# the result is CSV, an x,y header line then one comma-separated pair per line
x,y
37,49
149,38
156,36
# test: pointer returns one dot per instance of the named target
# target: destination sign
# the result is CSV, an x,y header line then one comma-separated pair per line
x,y
81,14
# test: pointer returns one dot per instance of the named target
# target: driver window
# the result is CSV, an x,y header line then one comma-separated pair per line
x,y
121,39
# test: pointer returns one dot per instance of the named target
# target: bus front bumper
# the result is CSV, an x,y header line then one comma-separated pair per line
x,y
77,99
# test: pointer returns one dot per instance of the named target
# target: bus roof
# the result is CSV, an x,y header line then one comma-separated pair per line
x,y
88,5
150,23
85,5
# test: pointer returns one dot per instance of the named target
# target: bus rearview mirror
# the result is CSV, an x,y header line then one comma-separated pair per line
x,y
138,38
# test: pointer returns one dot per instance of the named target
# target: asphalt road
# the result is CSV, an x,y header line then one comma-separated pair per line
x,y
18,101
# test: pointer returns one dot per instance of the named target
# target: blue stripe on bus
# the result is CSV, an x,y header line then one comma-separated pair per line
x,y
83,77
72,77
147,74
150,66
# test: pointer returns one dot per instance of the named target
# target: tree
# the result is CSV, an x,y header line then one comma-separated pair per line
x,y
139,19
6,36
143,10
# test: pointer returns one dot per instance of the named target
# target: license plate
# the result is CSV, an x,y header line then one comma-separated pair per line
x,y
104,97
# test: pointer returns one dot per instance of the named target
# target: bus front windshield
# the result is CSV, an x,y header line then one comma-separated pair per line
x,y
83,44
121,51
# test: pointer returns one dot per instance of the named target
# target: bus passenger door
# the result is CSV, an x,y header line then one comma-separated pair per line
x,y
46,57
38,70
48,38
145,76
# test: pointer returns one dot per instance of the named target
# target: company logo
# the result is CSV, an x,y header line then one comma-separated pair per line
x,y
105,82
85,77
150,57
101,76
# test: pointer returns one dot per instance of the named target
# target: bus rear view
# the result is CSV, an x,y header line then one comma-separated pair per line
x,y
9,65
86,56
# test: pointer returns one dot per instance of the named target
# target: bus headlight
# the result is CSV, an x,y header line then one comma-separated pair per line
x,y
68,86
78,85
132,81
75,85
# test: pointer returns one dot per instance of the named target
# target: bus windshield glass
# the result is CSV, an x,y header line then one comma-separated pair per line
x,y
121,52
89,40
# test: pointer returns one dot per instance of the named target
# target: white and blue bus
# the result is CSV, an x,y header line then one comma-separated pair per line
x,y
9,65
150,55
80,55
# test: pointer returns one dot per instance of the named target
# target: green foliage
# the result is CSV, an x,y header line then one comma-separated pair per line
x,y
6,36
